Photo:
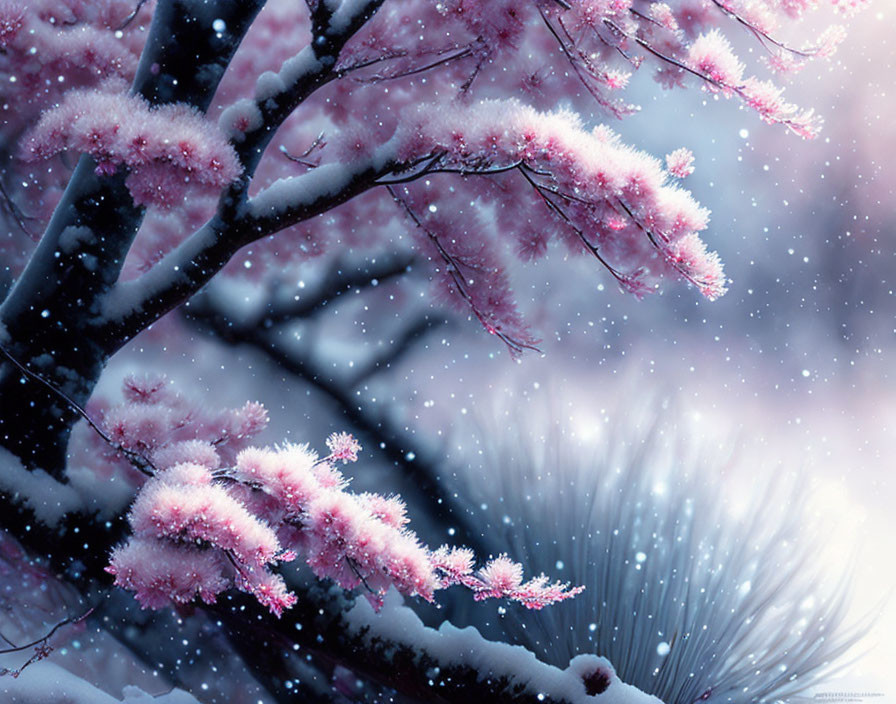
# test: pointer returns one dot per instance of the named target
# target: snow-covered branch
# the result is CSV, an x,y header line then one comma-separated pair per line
x,y
82,252
253,123
133,305
446,665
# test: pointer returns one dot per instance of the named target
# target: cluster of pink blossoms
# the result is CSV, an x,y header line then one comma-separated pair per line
x,y
164,148
214,517
47,48
711,57
82,41
680,163
165,428
595,193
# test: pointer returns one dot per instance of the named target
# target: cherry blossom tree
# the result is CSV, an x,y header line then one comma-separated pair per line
x,y
150,147
367,115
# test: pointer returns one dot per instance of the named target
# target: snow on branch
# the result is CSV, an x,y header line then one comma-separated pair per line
x,y
584,188
47,683
193,263
52,39
600,44
686,41
460,659
392,648
252,123
552,180
440,56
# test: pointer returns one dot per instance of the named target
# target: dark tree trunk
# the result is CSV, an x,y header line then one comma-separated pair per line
x,y
48,316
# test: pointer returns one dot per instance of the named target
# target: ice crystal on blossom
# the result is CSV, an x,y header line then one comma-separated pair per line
x,y
829,40
500,575
680,163
453,564
182,504
767,99
690,254
391,510
160,573
145,388
440,55
343,447
663,14
499,578
711,56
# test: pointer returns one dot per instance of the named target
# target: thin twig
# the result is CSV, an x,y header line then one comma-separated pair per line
x,y
736,90
428,167
41,646
16,212
453,269
662,249
299,160
432,169
131,17
763,36
464,53
557,210
140,462
49,634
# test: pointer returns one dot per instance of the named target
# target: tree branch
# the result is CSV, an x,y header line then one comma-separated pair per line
x,y
189,267
445,666
80,256
133,305
339,280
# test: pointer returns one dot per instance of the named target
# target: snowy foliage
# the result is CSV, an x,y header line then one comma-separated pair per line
x,y
165,149
201,527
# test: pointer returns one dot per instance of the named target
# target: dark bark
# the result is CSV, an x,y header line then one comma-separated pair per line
x,y
52,322
49,312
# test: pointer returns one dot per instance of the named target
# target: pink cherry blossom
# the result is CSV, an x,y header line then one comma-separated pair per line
x,y
680,163
163,147
343,447
711,55
501,575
